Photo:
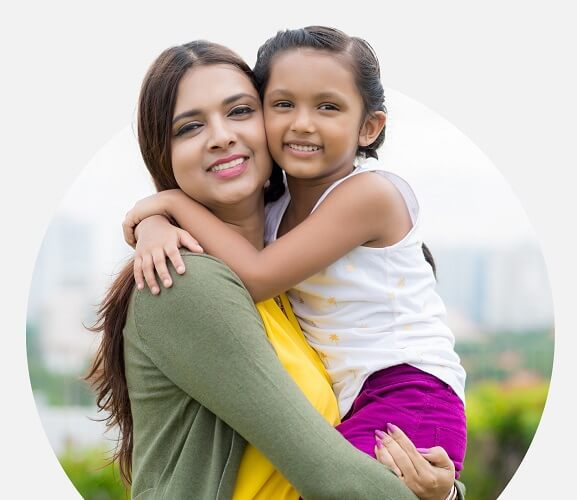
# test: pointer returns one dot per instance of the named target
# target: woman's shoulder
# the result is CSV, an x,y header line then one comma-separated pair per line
x,y
206,280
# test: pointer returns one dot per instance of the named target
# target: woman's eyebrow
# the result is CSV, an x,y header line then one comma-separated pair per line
x,y
225,102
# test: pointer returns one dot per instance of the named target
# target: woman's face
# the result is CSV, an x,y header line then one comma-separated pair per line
x,y
219,150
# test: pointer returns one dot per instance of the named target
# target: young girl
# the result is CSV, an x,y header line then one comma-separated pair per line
x,y
344,240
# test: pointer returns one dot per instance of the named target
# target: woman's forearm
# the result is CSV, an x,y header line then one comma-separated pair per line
x,y
208,338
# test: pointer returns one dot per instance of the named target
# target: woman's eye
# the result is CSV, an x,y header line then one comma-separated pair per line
x,y
241,110
189,127
328,107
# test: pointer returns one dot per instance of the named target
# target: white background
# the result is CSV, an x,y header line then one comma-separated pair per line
x,y
500,71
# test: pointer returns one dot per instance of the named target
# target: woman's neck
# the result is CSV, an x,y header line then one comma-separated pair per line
x,y
246,218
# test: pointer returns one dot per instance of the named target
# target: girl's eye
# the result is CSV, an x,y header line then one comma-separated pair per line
x,y
282,104
328,107
189,127
241,110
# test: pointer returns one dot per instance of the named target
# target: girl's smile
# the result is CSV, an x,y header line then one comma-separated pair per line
x,y
313,114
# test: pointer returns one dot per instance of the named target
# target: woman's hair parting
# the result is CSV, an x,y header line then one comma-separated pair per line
x,y
155,109
356,52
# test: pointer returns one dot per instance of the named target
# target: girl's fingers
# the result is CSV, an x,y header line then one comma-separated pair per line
x,y
173,254
128,230
187,241
385,457
149,275
137,271
159,259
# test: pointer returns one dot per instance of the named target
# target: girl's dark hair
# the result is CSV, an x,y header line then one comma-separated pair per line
x,y
155,110
356,52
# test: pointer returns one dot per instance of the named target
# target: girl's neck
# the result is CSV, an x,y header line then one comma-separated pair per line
x,y
246,218
305,193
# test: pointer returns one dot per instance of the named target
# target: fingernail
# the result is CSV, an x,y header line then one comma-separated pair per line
x,y
380,434
155,290
423,450
167,283
380,445
140,286
391,428
180,269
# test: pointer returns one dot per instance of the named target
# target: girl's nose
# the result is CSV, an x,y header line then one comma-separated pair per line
x,y
303,123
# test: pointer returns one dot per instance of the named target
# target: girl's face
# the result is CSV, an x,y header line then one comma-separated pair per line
x,y
218,148
313,113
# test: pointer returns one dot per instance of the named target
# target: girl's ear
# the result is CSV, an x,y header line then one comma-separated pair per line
x,y
372,127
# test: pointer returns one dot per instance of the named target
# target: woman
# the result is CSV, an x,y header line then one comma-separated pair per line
x,y
184,375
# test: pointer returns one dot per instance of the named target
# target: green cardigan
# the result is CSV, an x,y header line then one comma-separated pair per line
x,y
202,379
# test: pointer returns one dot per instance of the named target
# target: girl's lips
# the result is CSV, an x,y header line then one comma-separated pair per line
x,y
303,151
228,173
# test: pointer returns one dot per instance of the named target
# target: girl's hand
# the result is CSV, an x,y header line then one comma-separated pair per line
x,y
429,474
157,240
156,204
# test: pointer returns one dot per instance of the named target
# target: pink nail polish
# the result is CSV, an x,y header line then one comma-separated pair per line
x,y
380,445
380,434
423,450
391,428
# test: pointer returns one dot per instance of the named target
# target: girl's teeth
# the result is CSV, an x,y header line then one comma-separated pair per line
x,y
308,149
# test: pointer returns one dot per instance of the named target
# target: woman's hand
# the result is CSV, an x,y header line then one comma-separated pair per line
x,y
157,240
156,204
429,474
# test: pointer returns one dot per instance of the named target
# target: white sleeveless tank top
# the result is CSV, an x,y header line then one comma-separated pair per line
x,y
375,307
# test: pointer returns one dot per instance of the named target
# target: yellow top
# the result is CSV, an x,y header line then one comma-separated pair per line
x,y
257,478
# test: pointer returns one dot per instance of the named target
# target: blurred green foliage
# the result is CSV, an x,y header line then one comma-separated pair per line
x,y
501,421
93,476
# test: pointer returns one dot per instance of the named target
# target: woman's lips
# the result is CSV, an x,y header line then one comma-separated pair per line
x,y
230,169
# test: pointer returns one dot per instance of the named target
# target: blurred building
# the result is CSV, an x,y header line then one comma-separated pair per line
x,y
62,295
497,289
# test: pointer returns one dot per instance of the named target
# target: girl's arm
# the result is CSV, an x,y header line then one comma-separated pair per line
x,y
363,209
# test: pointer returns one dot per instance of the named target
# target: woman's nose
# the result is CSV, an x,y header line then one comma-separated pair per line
x,y
222,136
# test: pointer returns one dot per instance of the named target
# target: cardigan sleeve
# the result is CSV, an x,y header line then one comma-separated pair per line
x,y
206,336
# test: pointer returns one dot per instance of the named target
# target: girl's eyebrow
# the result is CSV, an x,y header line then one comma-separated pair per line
x,y
225,102
321,95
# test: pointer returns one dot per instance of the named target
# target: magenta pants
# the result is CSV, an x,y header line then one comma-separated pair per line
x,y
426,409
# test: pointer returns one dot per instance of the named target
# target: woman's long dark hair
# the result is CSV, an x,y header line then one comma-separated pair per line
x,y
155,110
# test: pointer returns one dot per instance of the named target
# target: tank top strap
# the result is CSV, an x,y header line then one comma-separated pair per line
x,y
362,165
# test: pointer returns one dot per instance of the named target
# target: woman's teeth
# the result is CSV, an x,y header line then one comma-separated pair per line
x,y
228,164
307,149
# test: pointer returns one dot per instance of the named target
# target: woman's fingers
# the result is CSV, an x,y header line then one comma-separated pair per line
x,y
438,457
385,457
400,456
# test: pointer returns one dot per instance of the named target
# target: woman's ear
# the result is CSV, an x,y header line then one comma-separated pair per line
x,y
372,127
